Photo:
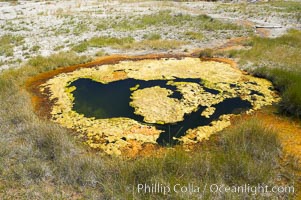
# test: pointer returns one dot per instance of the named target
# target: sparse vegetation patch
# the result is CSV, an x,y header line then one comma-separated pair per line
x,y
8,42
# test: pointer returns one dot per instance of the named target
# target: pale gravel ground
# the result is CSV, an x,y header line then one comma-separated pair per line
x,y
42,24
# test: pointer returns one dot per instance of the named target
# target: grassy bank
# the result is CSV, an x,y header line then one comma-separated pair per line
x,y
153,42
289,84
279,60
40,159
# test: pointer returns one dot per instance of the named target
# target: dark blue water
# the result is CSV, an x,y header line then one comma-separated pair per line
x,y
94,99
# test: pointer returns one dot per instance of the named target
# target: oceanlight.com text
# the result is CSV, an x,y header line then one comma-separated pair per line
x,y
212,188
251,189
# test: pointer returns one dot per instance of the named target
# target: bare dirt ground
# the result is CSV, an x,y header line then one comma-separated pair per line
x,y
52,26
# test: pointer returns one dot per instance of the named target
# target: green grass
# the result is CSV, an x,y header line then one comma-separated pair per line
x,y
206,53
81,47
8,42
289,84
203,22
109,41
102,42
243,155
194,35
166,18
152,41
58,47
154,44
282,52
152,36
80,28
61,31
279,60
102,26
100,53
35,48
40,159
40,63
